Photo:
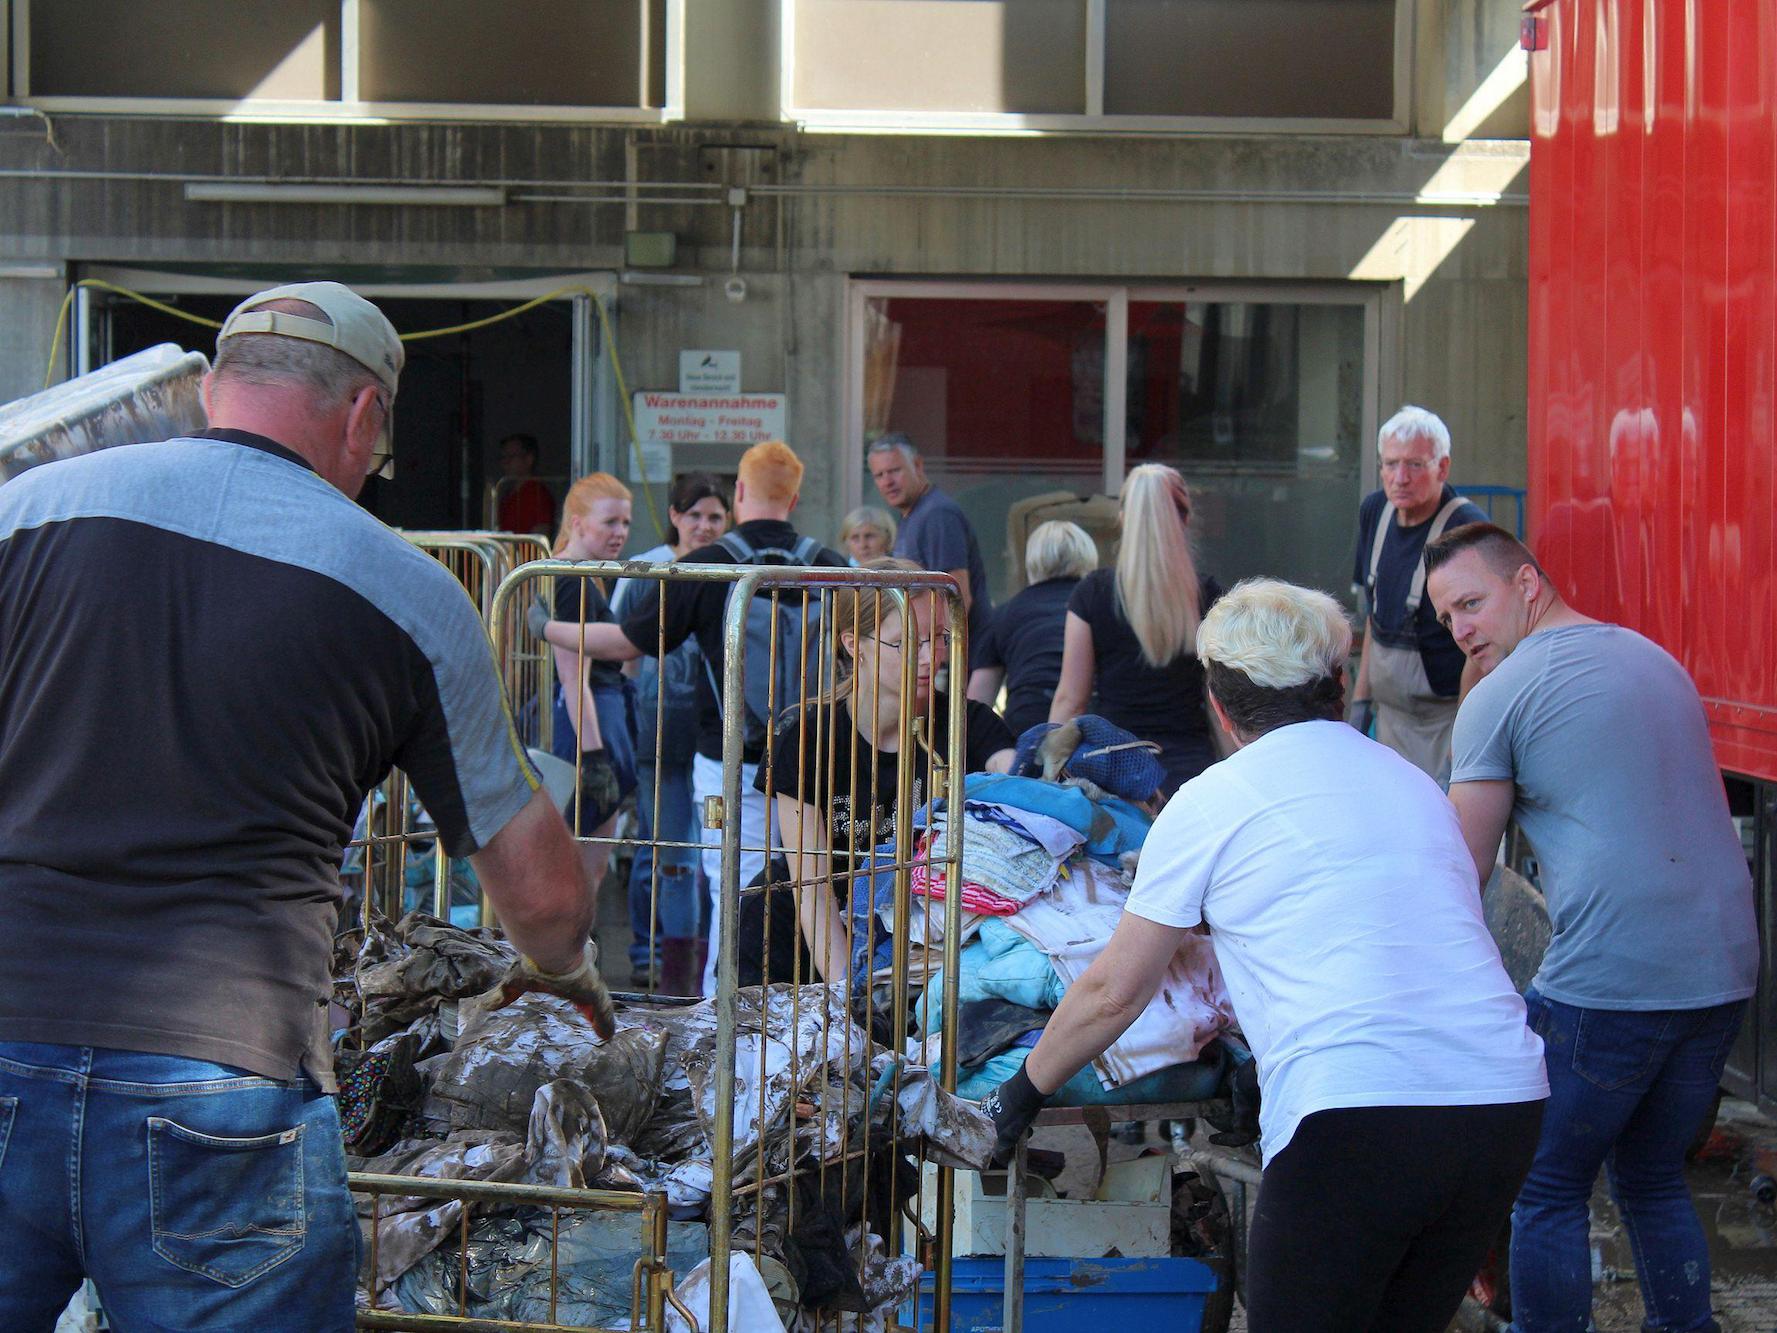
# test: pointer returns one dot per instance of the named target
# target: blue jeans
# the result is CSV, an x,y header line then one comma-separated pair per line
x,y
195,1195
680,900
1627,1091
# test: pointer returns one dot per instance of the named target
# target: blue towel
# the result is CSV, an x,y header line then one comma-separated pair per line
x,y
1111,826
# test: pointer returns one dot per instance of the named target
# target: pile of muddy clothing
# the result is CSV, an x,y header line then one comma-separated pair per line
x,y
821,1137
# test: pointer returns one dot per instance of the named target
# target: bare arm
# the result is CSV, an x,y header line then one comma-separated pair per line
x,y
1000,761
1102,1004
532,873
985,682
1079,664
569,669
1483,809
803,839
602,640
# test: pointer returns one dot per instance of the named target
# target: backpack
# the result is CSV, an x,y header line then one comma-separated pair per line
x,y
798,643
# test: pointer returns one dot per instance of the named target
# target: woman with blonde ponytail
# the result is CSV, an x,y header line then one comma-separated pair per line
x,y
1130,643
594,726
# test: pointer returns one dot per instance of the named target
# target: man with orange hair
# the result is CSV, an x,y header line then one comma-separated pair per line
x,y
766,493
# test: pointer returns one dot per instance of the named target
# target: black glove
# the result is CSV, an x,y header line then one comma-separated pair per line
x,y
1362,714
1242,1127
536,616
599,793
1013,1107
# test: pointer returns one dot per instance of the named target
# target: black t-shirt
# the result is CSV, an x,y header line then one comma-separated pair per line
x,y
828,764
1401,550
1025,637
834,774
1160,704
579,601
699,609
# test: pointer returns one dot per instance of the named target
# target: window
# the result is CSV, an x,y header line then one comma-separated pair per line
x,y
1339,65
544,59
1262,399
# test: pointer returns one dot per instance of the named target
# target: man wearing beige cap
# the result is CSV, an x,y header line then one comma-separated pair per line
x,y
208,654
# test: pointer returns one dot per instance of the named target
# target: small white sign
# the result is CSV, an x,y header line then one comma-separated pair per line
x,y
654,463
710,418
709,372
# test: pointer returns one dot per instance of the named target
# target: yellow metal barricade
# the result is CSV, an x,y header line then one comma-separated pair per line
x,y
857,699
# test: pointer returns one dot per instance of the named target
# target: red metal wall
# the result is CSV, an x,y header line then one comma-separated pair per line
x,y
1653,337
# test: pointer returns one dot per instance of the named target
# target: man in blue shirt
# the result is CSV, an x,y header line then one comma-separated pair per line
x,y
1411,674
934,533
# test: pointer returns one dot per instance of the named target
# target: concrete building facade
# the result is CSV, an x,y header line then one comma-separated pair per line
x,y
1049,238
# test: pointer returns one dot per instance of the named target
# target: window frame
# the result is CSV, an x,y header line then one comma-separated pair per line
x,y
1093,120
1372,297
349,107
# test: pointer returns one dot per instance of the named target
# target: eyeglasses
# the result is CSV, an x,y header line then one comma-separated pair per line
x,y
1411,466
382,458
939,644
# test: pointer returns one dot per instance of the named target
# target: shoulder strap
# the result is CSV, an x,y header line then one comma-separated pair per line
x,y
1416,594
1376,545
737,546
806,550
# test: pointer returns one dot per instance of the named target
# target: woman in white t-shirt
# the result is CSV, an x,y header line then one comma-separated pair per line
x,y
1401,1092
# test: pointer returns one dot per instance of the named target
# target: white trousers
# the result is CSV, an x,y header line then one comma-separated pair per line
x,y
706,780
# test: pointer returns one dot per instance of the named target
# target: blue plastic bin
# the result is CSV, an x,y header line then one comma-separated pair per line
x,y
1132,1295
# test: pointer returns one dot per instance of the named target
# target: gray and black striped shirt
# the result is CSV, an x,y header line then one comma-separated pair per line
x,y
208,655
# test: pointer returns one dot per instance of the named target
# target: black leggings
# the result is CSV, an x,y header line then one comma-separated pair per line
x,y
1378,1218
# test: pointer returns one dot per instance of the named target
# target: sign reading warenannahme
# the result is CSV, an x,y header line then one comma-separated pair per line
x,y
700,418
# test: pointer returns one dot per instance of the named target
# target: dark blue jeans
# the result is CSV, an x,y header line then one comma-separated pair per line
x,y
1628,1092
677,912
196,1196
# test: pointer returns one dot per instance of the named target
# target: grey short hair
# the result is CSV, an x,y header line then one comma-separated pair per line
x,y
868,516
267,360
1415,423
893,440
1059,550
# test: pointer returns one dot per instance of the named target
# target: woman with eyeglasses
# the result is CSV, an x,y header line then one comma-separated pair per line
x,y
1129,648
833,769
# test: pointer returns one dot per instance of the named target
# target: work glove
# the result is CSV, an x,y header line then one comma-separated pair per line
x,y
1242,1126
581,987
1013,1108
536,616
1362,714
599,791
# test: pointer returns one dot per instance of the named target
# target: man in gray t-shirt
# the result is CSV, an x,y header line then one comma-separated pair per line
x,y
1594,740
934,533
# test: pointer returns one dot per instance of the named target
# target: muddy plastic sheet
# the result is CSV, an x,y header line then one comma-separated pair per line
x,y
503,1057
509,1274
399,973
564,1146
786,1037
941,1128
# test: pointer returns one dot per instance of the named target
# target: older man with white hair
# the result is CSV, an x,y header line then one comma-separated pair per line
x,y
1401,1092
1411,675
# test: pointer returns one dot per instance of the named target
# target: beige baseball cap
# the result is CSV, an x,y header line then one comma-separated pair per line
x,y
353,325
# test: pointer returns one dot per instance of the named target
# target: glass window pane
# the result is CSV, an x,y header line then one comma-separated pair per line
x,y
1319,58
197,48
1004,398
1261,407
539,53
941,55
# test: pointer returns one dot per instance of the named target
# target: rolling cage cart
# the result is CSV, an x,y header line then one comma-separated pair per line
x,y
770,1096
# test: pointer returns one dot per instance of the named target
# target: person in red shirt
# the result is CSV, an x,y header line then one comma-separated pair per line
x,y
525,503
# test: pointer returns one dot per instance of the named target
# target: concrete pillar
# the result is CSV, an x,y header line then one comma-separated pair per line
x,y
30,296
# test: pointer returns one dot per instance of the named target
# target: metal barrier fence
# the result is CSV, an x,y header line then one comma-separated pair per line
x,y
797,1101
859,746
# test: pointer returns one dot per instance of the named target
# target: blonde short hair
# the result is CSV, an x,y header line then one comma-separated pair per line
x,y
772,472
1058,549
1276,634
